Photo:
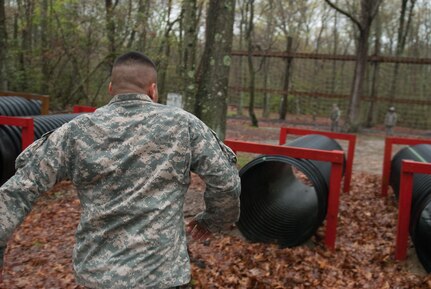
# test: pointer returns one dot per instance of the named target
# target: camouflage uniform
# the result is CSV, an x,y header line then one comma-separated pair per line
x,y
130,162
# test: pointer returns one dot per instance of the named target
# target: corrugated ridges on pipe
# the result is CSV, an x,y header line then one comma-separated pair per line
x,y
420,216
10,140
277,207
422,233
19,106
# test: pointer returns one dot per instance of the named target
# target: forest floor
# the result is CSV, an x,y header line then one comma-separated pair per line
x,y
39,254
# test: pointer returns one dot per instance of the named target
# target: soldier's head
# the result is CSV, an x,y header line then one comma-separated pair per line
x,y
134,72
391,109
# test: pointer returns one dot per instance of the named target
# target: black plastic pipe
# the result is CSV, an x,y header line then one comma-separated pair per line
x,y
279,207
19,106
420,216
10,140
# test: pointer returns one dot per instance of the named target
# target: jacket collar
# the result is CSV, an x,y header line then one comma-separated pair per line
x,y
130,96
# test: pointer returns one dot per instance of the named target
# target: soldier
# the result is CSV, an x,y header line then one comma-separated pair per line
x,y
130,161
335,117
390,120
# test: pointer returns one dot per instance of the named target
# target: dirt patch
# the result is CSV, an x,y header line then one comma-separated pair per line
x,y
369,154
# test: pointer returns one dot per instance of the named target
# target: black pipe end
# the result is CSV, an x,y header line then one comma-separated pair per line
x,y
276,206
421,234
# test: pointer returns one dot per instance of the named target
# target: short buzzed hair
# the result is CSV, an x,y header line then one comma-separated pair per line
x,y
134,57
133,70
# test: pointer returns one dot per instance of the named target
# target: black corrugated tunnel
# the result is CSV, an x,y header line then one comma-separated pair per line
x,y
283,199
10,140
420,216
19,106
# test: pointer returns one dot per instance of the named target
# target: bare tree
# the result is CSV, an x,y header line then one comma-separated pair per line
x,y
268,41
368,11
143,16
242,24
189,23
164,53
375,73
3,47
111,27
45,46
334,50
213,72
403,30
286,82
290,17
251,72
26,10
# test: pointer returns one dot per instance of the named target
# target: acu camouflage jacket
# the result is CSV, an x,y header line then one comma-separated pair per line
x,y
130,162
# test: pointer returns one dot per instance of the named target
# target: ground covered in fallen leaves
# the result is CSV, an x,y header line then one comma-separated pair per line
x,y
363,257
39,255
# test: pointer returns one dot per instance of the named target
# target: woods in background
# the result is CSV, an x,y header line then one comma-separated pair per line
x,y
65,48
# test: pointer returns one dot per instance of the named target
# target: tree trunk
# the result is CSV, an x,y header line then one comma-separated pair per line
x,y
334,52
143,17
284,100
251,72
164,54
242,23
16,61
375,75
3,47
403,30
266,95
266,60
110,30
213,74
357,87
188,58
45,47
369,9
26,44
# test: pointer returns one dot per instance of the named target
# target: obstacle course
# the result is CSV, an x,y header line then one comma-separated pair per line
x,y
291,189
278,207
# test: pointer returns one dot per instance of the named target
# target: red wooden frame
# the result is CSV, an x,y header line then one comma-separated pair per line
x,y
27,128
335,157
83,108
389,142
351,138
408,168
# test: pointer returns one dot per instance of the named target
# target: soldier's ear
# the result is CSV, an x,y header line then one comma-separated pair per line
x,y
153,92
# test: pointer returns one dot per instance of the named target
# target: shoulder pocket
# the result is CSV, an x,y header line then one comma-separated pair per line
x,y
225,149
24,156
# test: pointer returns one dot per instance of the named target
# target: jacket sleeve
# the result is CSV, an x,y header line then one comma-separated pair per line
x,y
215,163
39,167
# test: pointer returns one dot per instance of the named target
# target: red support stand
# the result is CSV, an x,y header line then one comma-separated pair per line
x,y
408,168
351,138
83,108
389,142
27,128
335,157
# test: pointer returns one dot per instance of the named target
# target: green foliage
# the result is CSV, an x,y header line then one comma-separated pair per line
x,y
78,57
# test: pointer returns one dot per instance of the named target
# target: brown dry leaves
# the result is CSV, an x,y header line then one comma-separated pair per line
x,y
39,256
363,257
